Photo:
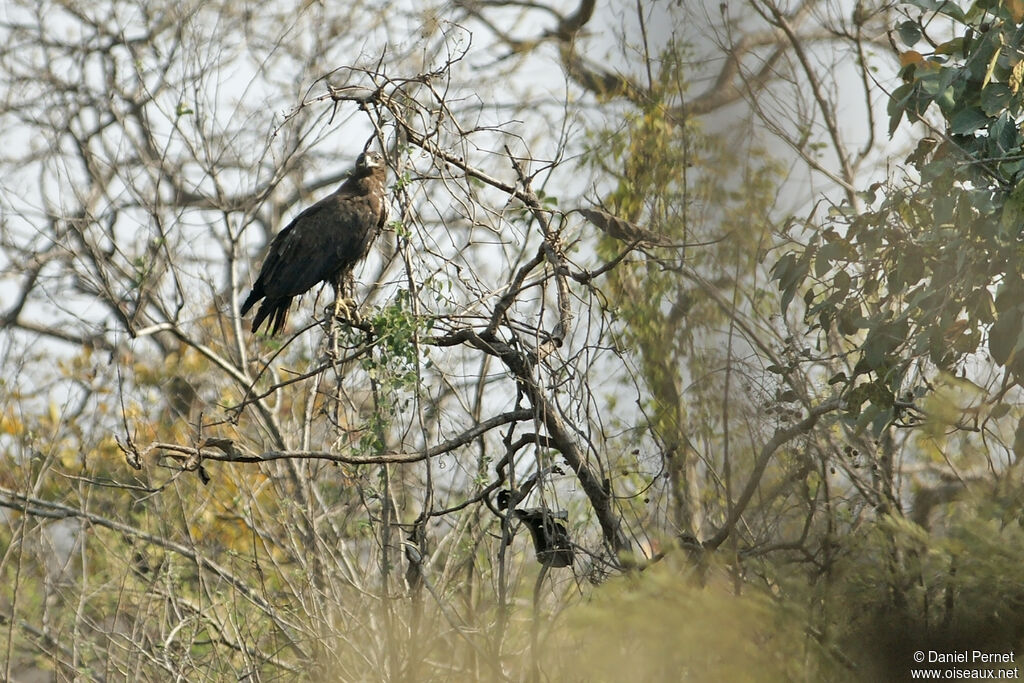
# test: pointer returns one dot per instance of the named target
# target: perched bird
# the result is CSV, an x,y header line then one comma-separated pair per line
x,y
322,244
551,540
623,230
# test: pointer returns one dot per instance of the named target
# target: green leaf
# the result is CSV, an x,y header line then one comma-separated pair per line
x,y
868,415
967,121
979,305
849,320
999,411
1013,211
881,342
995,97
1006,135
897,105
783,266
1010,295
1003,336
841,284
951,47
790,279
881,422
910,33
1018,439
946,99
950,9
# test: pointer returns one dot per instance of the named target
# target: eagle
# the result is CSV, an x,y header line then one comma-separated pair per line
x,y
551,541
321,244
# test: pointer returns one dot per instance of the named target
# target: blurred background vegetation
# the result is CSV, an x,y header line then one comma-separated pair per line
x,y
726,295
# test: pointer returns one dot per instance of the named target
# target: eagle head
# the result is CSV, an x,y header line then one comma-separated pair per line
x,y
368,161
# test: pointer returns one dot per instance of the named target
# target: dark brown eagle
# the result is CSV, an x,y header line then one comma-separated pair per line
x,y
322,244
551,541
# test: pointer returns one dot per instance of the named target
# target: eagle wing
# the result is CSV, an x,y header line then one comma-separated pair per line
x,y
321,244
301,255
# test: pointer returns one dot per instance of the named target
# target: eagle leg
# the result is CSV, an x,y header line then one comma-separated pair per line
x,y
345,307
345,310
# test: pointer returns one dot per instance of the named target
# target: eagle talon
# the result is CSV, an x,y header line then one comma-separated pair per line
x,y
346,309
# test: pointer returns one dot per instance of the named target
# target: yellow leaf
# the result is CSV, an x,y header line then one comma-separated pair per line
x,y
70,459
1017,76
1016,8
9,424
992,63
910,57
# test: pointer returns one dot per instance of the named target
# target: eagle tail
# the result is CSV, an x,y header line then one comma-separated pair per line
x,y
275,312
250,300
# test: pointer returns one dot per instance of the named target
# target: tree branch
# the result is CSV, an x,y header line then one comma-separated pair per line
x,y
781,437
226,450
38,507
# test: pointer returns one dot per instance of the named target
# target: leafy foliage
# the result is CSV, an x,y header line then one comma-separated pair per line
x,y
927,276
675,183
667,626
905,589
